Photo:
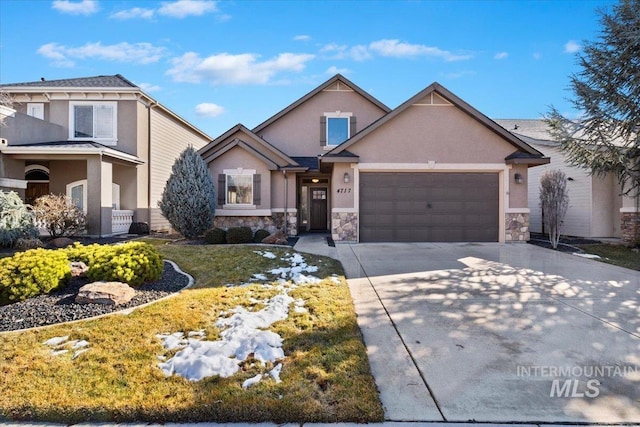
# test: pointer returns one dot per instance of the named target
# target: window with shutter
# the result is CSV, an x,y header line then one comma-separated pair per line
x,y
239,187
336,127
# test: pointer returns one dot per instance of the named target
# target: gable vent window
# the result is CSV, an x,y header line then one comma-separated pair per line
x,y
96,121
336,127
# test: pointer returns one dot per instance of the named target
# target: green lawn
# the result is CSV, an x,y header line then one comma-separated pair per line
x,y
620,255
325,375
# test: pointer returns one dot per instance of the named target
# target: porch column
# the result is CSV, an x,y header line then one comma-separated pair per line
x,y
99,196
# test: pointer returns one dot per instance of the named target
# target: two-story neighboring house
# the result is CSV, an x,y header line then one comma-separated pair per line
x,y
100,140
433,169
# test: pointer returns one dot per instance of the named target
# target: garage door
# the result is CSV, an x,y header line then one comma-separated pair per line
x,y
429,207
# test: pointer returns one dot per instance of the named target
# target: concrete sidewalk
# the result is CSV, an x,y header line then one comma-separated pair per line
x,y
447,326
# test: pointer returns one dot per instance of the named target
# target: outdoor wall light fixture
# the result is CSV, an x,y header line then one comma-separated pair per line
x,y
315,180
518,178
346,177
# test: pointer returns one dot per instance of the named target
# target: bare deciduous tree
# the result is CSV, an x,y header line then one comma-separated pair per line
x,y
554,201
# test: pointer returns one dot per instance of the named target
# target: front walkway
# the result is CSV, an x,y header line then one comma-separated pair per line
x,y
495,332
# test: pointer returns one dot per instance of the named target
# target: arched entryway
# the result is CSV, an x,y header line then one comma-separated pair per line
x,y
37,177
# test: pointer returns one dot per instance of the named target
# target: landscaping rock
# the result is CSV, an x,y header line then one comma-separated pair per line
x,y
277,238
107,293
79,269
59,242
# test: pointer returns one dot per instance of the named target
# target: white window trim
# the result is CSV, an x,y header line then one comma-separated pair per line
x,y
30,107
83,183
105,141
238,171
337,115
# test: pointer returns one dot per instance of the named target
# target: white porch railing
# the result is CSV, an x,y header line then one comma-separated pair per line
x,y
120,221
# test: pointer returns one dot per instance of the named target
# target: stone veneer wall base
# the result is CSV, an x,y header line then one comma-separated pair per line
x,y
344,227
630,227
270,223
517,227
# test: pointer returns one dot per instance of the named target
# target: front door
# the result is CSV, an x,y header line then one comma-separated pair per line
x,y
35,190
318,214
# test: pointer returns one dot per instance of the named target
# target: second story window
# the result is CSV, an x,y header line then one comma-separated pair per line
x,y
336,128
93,120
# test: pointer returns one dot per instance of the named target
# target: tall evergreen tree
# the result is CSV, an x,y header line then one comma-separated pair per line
x,y
607,94
189,200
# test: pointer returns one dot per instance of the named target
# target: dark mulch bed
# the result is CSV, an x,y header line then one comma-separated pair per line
x,y
567,243
59,306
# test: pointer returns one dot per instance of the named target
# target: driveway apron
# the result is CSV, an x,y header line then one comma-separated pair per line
x,y
497,333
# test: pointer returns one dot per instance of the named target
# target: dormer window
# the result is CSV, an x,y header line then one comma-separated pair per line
x,y
93,120
336,128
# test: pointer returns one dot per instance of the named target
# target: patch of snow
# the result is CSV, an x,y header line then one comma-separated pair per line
x,y
251,381
275,373
244,333
78,353
80,344
56,341
588,256
196,334
266,254
58,352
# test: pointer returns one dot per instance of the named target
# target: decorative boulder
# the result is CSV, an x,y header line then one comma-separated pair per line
x,y
60,242
139,228
106,293
277,238
78,269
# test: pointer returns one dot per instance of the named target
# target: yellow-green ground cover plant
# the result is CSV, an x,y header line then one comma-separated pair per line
x,y
39,271
325,375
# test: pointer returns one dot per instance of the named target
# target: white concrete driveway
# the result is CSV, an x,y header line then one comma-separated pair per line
x,y
494,332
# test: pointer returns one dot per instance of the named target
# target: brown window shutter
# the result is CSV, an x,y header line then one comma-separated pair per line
x,y
323,130
352,126
256,189
222,188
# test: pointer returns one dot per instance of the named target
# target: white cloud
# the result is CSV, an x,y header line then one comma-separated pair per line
x,y
341,51
136,12
572,47
84,7
335,70
184,8
302,38
500,55
149,87
459,74
207,109
397,49
359,53
141,53
225,68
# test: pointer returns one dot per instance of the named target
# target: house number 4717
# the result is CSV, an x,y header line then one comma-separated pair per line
x,y
344,190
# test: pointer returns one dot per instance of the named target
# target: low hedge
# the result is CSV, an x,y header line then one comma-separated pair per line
x,y
260,235
215,236
134,263
31,273
236,235
39,271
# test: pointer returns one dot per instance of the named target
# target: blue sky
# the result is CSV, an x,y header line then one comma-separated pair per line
x,y
219,63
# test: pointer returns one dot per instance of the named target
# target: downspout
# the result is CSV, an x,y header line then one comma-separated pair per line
x,y
286,198
151,104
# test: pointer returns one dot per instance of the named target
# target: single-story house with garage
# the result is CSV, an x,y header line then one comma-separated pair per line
x,y
596,207
337,160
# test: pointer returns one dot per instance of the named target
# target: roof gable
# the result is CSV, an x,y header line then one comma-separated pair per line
x,y
437,95
335,84
240,136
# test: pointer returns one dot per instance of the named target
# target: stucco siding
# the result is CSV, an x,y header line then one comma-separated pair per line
x,y
518,192
298,132
443,134
577,221
239,159
168,139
